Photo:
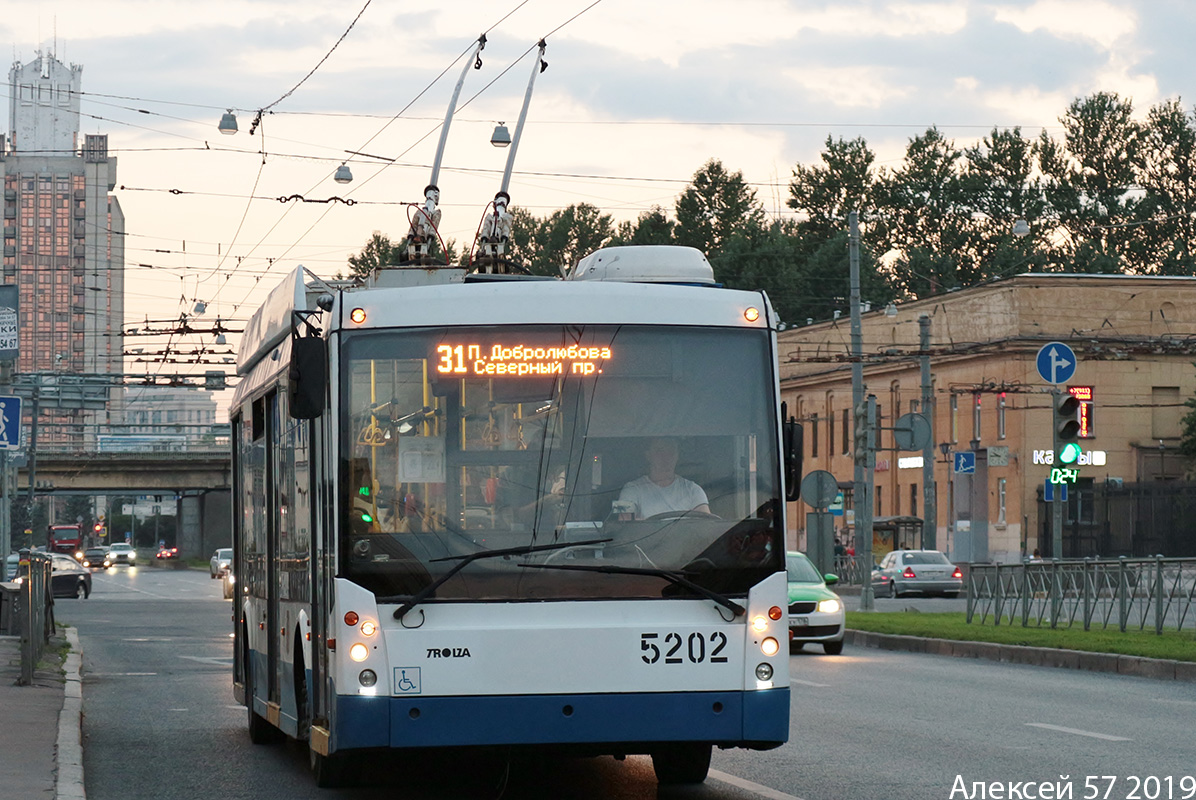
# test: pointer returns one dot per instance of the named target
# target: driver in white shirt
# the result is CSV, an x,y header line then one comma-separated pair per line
x,y
662,490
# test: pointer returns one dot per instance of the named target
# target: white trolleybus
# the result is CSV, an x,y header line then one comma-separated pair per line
x,y
490,511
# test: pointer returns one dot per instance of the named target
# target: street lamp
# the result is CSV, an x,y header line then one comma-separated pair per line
x,y
228,123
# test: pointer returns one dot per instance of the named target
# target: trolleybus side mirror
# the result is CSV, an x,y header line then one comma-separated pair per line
x,y
308,377
793,441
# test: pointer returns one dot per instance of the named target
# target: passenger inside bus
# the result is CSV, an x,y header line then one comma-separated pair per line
x,y
661,490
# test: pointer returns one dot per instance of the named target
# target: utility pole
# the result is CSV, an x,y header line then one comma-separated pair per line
x,y
929,495
864,456
1057,489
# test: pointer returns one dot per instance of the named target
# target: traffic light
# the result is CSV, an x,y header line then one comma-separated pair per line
x,y
1067,421
1066,428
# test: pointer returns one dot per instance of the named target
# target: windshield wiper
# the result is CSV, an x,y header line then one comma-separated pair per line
x,y
668,575
464,561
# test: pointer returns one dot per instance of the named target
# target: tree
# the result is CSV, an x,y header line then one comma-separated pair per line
x,y
824,194
1168,177
1089,181
546,245
923,220
1000,187
717,206
651,227
379,251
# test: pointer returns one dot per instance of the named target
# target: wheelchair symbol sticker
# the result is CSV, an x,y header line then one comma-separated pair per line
x,y
407,680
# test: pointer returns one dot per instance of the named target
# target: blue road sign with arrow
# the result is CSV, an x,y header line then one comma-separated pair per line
x,y
1056,362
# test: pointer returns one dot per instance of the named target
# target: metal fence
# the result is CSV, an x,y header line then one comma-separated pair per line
x,y
1110,519
1128,594
29,609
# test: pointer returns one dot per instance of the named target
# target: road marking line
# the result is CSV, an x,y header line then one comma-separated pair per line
x,y
120,674
810,683
1077,732
755,788
220,662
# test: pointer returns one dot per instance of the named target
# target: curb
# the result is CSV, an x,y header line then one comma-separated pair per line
x,y
1157,668
69,782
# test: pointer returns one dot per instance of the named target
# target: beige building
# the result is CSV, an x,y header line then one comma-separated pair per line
x,y
1135,342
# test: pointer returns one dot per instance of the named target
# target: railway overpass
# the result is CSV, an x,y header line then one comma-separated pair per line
x,y
198,481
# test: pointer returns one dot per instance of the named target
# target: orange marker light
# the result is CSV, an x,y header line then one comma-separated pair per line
x,y
351,618
357,315
751,314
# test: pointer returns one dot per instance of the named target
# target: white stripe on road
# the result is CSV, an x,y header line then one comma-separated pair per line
x,y
810,683
755,788
1077,732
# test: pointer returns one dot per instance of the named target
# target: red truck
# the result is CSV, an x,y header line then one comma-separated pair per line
x,y
66,539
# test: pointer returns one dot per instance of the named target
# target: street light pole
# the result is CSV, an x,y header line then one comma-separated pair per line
x,y
929,495
862,483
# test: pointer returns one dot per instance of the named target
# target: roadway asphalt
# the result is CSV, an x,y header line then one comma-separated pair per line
x,y
41,754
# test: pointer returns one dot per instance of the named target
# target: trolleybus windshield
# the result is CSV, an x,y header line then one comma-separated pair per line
x,y
657,440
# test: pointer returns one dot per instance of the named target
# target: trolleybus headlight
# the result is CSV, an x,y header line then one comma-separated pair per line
x,y
763,672
828,606
359,652
759,624
769,646
368,628
368,677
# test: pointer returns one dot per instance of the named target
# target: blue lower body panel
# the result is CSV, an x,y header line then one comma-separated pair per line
x,y
759,718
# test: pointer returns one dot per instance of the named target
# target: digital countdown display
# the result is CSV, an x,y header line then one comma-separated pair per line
x,y
518,360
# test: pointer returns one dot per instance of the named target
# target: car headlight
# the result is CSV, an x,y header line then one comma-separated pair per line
x,y
829,606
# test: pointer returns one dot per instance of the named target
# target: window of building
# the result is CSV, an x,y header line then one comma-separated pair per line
x,y
830,430
1000,501
1166,411
846,431
880,505
1001,415
913,499
814,436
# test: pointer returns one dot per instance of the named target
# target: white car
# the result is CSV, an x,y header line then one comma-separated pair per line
x,y
122,553
221,561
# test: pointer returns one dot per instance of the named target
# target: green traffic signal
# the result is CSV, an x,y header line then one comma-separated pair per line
x,y
1069,453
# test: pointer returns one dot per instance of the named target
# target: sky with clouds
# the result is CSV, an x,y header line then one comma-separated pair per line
x,y
637,96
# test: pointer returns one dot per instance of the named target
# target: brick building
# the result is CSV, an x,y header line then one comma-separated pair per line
x,y
1135,339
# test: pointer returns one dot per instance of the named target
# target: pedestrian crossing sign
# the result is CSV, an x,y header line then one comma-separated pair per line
x,y
10,423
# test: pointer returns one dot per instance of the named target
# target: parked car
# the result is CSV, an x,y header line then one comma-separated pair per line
x,y
69,578
122,553
815,612
96,558
925,571
220,562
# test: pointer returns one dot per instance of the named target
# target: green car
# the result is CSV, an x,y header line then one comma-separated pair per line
x,y
815,612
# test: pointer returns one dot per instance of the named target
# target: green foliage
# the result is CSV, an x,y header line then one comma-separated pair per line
x,y
1171,644
379,251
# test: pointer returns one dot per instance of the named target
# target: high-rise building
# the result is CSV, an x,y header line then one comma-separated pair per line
x,y
64,248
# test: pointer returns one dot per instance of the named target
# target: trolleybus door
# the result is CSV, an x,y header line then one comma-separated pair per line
x,y
274,430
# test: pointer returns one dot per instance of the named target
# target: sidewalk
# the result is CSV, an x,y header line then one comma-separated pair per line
x,y
41,755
